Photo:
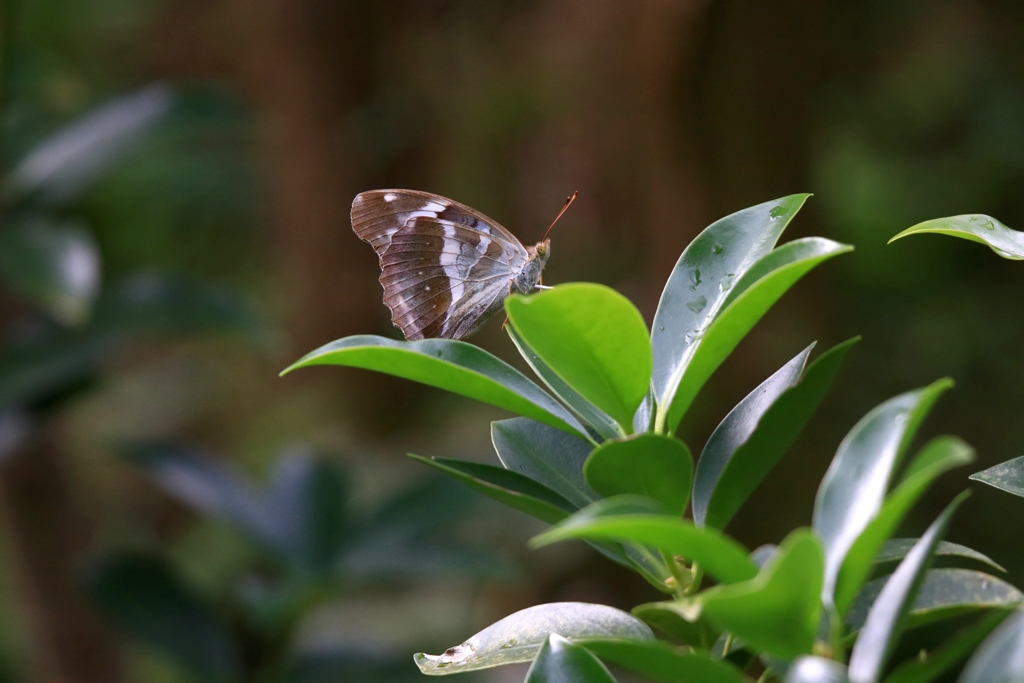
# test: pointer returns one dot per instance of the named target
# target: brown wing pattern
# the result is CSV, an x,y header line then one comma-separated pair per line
x,y
379,214
443,278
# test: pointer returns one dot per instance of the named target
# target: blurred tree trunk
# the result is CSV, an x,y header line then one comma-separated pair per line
x,y
330,280
49,531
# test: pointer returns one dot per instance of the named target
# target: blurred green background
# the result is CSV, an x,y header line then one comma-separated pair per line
x,y
173,511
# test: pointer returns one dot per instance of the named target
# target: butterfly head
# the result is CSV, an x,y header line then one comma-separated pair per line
x,y
540,251
529,277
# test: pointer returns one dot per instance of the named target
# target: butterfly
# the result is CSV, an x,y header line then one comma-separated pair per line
x,y
445,268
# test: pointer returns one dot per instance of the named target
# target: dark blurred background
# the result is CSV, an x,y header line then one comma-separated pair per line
x,y
206,208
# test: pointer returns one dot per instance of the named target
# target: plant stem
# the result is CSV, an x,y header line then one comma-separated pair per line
x,y
682,579
727,645
696,577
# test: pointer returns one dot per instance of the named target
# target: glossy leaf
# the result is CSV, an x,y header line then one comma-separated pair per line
x,y
636,557
1007,476
886,619
591,415
652,465
519,637
975,227
660,662
548,456
719,555
701,280
897,548
755,434
945,593
712,345
936,458
56,266
777,611
65,163
508,487
559,661
854,487
1000,659
680,620
810,669
148,602
929,666
451,365
736,429
594,339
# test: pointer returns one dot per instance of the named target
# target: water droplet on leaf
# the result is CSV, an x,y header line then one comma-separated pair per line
x,y
777,213
698,304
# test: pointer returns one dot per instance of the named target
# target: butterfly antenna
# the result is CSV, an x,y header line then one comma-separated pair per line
x,y
568,201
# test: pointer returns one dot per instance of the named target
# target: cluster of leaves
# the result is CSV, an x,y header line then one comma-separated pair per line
x,y
51,261
595,455
1000,656
311,548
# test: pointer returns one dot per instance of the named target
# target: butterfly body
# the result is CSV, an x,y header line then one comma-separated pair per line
x,y
445,267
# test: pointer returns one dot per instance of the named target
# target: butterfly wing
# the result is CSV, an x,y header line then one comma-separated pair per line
x,y
379,214
444,278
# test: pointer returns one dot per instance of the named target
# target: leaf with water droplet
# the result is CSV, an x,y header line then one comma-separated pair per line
x,y
697,305
977,228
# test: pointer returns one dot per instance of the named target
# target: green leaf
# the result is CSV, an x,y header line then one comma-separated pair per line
x,y
519,637
938,456
594,339
719,555
147,601
548,456
778,610
680,620
652,465
65,163
975,227
1000,659
593,416
945,593
711,345
508,487
1007,476
451,365
559,661
886,619
897,548
55,266
810,669
659,661
755,434
931,665
854,487
702,278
